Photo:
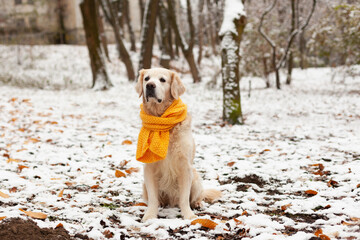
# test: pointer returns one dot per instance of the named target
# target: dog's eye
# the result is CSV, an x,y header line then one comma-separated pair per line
x,y
147,79
162,80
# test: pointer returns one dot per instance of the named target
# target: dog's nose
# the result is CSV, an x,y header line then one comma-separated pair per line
x,y
150,86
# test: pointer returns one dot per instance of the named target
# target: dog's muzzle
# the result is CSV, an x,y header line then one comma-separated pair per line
x,y
150,92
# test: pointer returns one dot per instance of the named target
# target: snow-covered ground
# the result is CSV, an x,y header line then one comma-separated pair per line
x,y
303,137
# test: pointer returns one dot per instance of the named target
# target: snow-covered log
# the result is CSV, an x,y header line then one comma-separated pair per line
x,y
230,34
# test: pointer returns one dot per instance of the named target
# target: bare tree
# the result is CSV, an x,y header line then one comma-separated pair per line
x,y
103,37
277,65
231,34
126,13
186,48
290,60
90,11
200,29
111,16
147,33
165,41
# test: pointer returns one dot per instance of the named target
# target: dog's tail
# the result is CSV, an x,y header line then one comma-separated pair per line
x,y
211,195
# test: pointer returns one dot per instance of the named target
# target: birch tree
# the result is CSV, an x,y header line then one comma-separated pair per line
x,y
90,14
230,34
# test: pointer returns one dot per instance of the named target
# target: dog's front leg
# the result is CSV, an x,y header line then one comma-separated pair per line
x,y
184,181
152,188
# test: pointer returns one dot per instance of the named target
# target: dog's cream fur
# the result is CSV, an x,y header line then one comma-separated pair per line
x,y
172,181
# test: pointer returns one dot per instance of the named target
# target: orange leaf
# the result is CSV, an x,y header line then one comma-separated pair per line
x,y
20,150
1,218
205,223
37,215
324,237
55,178
131,170
60,225
108,234
61,193
345,223
250,155
109,156
318,232
245,213
34,140
4,195
21,167
13,189
13,160
141,204
238,222
332,183
311,192
358,186
119,173
21,129
94,187
230,164
284,207
126,142
69,184
123,163
101,134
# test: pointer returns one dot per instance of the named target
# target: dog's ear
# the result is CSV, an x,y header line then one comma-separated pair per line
x,y
139,85
177,87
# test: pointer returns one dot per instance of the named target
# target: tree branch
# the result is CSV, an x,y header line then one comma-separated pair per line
x,y
271,42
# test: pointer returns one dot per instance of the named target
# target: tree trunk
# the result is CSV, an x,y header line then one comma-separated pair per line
x,y
290,60
110,14
164,32
89,11
126,13
230,46
200,29
211,32
266,72
103,37
147,33
276,70
187,49
141,4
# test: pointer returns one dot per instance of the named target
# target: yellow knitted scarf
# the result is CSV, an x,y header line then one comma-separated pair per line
x,y
154,135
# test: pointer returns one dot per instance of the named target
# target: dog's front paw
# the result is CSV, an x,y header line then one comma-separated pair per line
x,y
190,215
148,215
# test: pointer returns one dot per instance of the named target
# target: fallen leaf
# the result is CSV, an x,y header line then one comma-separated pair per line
x,y
60,225
311,192
126,142
205,223
245,213
21,167
61,193
55,178
21,129
332,183
355,219
284,207
230,164
37,215
13,160
238,222
94,187
101,134
1,218
108,156
20,150
141,204
13,189
4,195
123,163
131,170
250,155
119,173
358,186
69,184
318,232
345,223
34,140
320,165
108,234
6,155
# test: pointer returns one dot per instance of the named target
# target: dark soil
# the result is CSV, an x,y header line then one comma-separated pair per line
x,y
247,179
20,229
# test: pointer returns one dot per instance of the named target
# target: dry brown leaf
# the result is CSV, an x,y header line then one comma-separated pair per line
x,y
355,219
131,170
108,234
55,178
69,184
345,223
34,140
318,232
37,215
332,183
20,150
245,213
358,186
13,189
21,167
1,218
101,134
311,192
61,193
4,195
21,129
238,222
108,156
284,207
94,187
250,155
141,204
60,225
324,237
205,223
230,164
126,142
119,173
123,163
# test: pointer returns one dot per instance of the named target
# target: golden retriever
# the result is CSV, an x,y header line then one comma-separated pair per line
x,y
174,180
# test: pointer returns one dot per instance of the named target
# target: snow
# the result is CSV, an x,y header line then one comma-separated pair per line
x,y
313,121
234,9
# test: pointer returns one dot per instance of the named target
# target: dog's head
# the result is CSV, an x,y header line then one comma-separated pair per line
x,y
159,85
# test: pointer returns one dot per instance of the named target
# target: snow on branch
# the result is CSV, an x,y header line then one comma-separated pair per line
x,y
233,10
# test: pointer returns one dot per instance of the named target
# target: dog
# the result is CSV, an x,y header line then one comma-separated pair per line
x,y
172,181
